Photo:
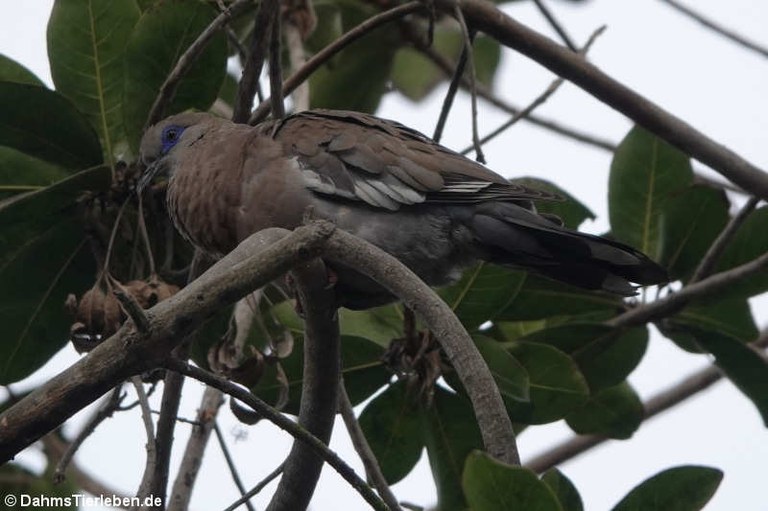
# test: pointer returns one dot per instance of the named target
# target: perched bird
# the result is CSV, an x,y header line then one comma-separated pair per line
x,y
433,209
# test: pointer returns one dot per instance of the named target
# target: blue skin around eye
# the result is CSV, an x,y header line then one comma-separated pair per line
x,y
168,140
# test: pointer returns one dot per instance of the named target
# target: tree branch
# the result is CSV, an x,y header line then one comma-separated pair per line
x,y
319,389
231,464
556,26
193,453
256,489
495,425
487,17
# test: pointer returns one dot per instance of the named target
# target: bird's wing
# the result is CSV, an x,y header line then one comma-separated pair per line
x,y
385,164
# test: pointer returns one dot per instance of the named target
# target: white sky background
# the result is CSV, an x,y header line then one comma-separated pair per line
x,y
714,85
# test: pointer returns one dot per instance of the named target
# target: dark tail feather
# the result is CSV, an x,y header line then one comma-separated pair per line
x,y
512,236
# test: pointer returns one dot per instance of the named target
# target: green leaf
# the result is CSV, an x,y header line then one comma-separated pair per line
x,y
750,242
510,376
570,210
22,173
12,71
690,222
645,173
349,81
541,298
86,46
740,363
731,316
362,369
36,281
614,412
162,34
451,434
556,385
393,429
492,486
564,490
44,124
605,355
686,488
482,293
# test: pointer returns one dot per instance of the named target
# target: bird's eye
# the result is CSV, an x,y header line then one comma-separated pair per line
x,y
170,136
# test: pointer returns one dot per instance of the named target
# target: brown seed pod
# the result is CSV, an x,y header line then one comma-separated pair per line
x,y
97,316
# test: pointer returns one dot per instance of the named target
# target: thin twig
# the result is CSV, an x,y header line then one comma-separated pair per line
x,y
283,423
321,57
661,402
257,51
708,262
371,464
132,308
145,235
468,39
482,91
191,461
727,33
102,414
231,464
275,69
297,58
450,94
256,489
538,101
146,415
188,58
555,24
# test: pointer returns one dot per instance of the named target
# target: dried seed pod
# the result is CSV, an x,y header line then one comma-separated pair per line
x,y
97,316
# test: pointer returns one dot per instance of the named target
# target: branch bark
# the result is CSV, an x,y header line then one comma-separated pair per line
x,y
487,17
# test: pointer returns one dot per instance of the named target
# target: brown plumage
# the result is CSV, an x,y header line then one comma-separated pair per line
x,y
433,209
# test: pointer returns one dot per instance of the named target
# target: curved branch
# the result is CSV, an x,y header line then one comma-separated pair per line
x,y
319,390
487,17
495,425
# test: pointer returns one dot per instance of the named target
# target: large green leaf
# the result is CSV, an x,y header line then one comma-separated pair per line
x,y
12,71
686,488
35,282
605,355
451,434
731,316
392,427
86,46
162,34
690,222
645,173
363,372
44,124
541,298
20,173
570,210
556,385
750,242
564,490
614,412
492,486
740,363
482,293
349,80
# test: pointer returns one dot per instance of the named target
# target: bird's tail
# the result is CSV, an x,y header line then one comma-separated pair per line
x,y
512,236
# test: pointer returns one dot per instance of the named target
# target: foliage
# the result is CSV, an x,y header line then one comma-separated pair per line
x,y
68,210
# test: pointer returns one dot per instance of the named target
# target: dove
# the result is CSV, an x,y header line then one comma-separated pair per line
x,y
435,210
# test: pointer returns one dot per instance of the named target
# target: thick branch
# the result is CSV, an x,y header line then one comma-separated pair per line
x,y
254,263
487,17
319,390
495,425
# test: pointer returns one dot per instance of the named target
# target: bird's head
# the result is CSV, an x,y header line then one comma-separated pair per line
x,y
161,140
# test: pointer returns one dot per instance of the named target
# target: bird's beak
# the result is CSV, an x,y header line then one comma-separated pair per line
x,y
149,174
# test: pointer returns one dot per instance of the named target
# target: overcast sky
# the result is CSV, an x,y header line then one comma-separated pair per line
x,y
706,80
